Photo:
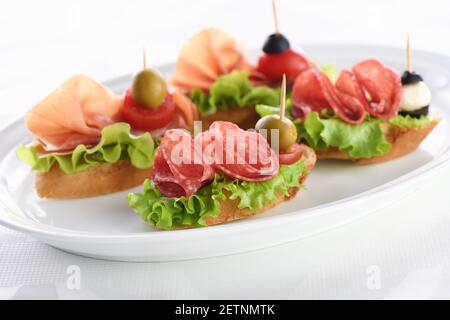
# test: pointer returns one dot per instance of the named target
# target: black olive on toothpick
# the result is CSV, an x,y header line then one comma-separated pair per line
x,y
287,132
409,76
276,43
415,93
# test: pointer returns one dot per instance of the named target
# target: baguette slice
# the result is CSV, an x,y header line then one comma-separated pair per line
x,y
402,140
100,180
245,118
230,212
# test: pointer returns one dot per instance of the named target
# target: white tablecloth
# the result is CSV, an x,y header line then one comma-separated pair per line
x,y
402,251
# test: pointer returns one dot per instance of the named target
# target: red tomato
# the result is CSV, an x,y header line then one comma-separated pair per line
x,y
147,119
291,63
294,154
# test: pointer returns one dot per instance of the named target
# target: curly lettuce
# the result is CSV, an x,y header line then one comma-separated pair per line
x,y
116,143
410,122
168,213
232,90
364,140
330,72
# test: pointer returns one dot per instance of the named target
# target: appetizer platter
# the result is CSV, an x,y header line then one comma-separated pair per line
x,y
270,146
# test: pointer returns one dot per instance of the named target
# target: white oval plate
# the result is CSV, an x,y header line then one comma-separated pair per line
x,y
337,192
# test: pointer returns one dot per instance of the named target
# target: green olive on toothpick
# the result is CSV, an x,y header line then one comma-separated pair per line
x,y
287,132
149,88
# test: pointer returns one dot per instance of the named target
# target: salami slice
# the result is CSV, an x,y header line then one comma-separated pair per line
x,y
347,84
382,84
175,171
237,153
313,91
369,87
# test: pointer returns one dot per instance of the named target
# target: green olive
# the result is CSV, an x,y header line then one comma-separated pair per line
x,y
287,132
149,88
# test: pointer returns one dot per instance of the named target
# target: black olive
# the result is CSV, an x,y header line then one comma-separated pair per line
x,y
415,113
276,43
410,78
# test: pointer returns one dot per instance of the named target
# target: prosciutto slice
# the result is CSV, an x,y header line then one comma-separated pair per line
x,y
369,87
205,57
73,114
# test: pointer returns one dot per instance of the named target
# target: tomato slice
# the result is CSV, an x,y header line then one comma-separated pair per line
x,y
293,154
291,63
147,119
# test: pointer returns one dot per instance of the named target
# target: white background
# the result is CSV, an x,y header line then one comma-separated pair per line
x,y
406,247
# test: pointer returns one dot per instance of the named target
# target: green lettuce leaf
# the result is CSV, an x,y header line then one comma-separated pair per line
x,y
232,90
263,95
330,71
268,109
201,100
116,143
364,140
410,122
167,213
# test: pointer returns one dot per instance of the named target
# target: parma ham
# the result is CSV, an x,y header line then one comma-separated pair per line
x,y
73,114
205,57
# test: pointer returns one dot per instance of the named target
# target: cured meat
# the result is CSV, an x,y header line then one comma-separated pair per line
x,y
186,107
237,153
205,57
228,53
382,84
176,172
187,76
313,91
183,165
369,87
292,155
73,114
348,84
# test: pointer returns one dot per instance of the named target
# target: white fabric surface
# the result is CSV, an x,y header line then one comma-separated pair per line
x,y
402,251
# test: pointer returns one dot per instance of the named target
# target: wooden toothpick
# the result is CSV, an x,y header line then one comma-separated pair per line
x,y
408,55
145,58
283,98
275,17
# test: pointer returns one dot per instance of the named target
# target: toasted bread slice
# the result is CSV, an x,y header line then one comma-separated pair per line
x,y
103,179
230,212
245,118
402,140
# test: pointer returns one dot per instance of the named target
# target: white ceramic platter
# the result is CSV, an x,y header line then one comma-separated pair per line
x,y
337,192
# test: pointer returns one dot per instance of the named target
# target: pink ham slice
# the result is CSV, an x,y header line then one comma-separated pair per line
x,y
205,57
73,114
